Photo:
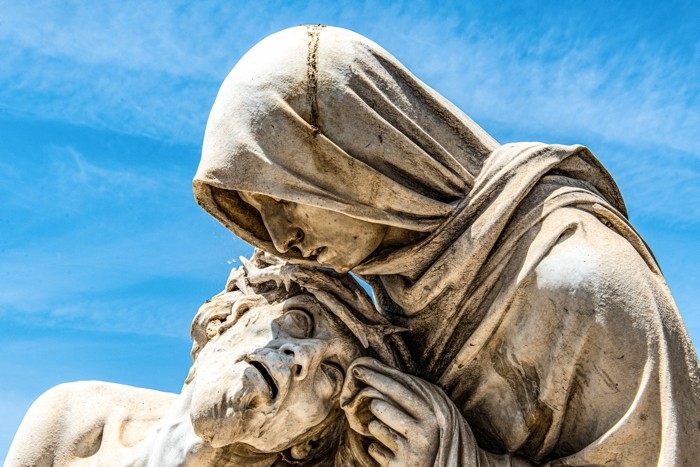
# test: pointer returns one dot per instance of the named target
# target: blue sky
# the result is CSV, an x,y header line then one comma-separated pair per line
x,y
105,257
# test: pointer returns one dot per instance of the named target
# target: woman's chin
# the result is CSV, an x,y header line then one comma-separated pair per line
x,y
339,268
331,260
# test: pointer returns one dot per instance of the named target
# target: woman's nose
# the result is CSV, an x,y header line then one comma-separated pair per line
x,y
300,358
284,234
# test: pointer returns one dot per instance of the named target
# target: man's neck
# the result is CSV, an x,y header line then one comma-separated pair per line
x,y
173,442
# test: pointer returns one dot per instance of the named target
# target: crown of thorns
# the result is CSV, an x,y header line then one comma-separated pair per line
x,y
339,293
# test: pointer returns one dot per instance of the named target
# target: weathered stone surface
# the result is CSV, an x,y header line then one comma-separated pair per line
x,y
526,293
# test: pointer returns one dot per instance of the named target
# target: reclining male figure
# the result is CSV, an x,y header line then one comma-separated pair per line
x,y
269,366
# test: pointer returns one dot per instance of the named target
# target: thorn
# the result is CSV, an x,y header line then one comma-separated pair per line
x,y
247,265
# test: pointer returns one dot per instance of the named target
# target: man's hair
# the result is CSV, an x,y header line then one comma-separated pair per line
x,y
266,279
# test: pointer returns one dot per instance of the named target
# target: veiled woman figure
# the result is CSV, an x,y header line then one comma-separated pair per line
x,y
529,298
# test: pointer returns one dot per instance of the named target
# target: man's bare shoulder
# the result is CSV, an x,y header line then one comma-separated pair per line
x,y
70,421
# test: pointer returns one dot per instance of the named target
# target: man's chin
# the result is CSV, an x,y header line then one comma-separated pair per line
x,y
214,423
214,432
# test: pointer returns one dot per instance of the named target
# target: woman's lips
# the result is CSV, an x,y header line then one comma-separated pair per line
x,y
314,253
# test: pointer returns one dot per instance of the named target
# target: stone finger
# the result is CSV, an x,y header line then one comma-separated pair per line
x,y
381,454
392,416
395,390
390,438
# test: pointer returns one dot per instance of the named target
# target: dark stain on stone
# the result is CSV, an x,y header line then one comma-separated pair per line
x,y
314,33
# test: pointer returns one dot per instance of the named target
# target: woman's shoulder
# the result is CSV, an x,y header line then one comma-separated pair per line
x,y
588,256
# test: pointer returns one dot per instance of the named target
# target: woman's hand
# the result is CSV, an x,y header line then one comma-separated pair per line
x,y
390,406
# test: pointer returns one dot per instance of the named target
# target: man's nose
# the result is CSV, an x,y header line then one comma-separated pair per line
x,y
300,358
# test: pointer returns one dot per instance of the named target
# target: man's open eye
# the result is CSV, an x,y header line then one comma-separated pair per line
x,y
297,323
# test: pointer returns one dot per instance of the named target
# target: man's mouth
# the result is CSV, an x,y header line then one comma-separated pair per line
x,y
274,390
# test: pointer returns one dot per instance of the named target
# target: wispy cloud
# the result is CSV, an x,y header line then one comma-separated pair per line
x,y
154,68
77,170
143,280
59,179
126,35
96,243
658,183
97,66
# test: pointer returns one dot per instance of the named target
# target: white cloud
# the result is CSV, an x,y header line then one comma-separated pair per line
x,y
660,183
126,35
77,169
97,259
62,179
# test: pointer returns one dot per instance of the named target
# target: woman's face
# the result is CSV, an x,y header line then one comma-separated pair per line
x,y
328,237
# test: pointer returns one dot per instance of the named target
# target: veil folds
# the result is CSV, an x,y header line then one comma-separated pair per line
x,y
324,117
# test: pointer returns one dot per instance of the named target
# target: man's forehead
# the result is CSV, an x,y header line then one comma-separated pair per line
x,y
288,291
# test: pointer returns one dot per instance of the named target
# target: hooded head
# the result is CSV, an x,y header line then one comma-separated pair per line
x,y
323,117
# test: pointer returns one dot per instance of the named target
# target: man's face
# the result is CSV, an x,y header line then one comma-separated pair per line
x,y
270,377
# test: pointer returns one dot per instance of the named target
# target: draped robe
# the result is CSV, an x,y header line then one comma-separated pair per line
x,y
530,300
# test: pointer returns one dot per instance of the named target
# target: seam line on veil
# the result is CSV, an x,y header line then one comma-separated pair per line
x,y
314,33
